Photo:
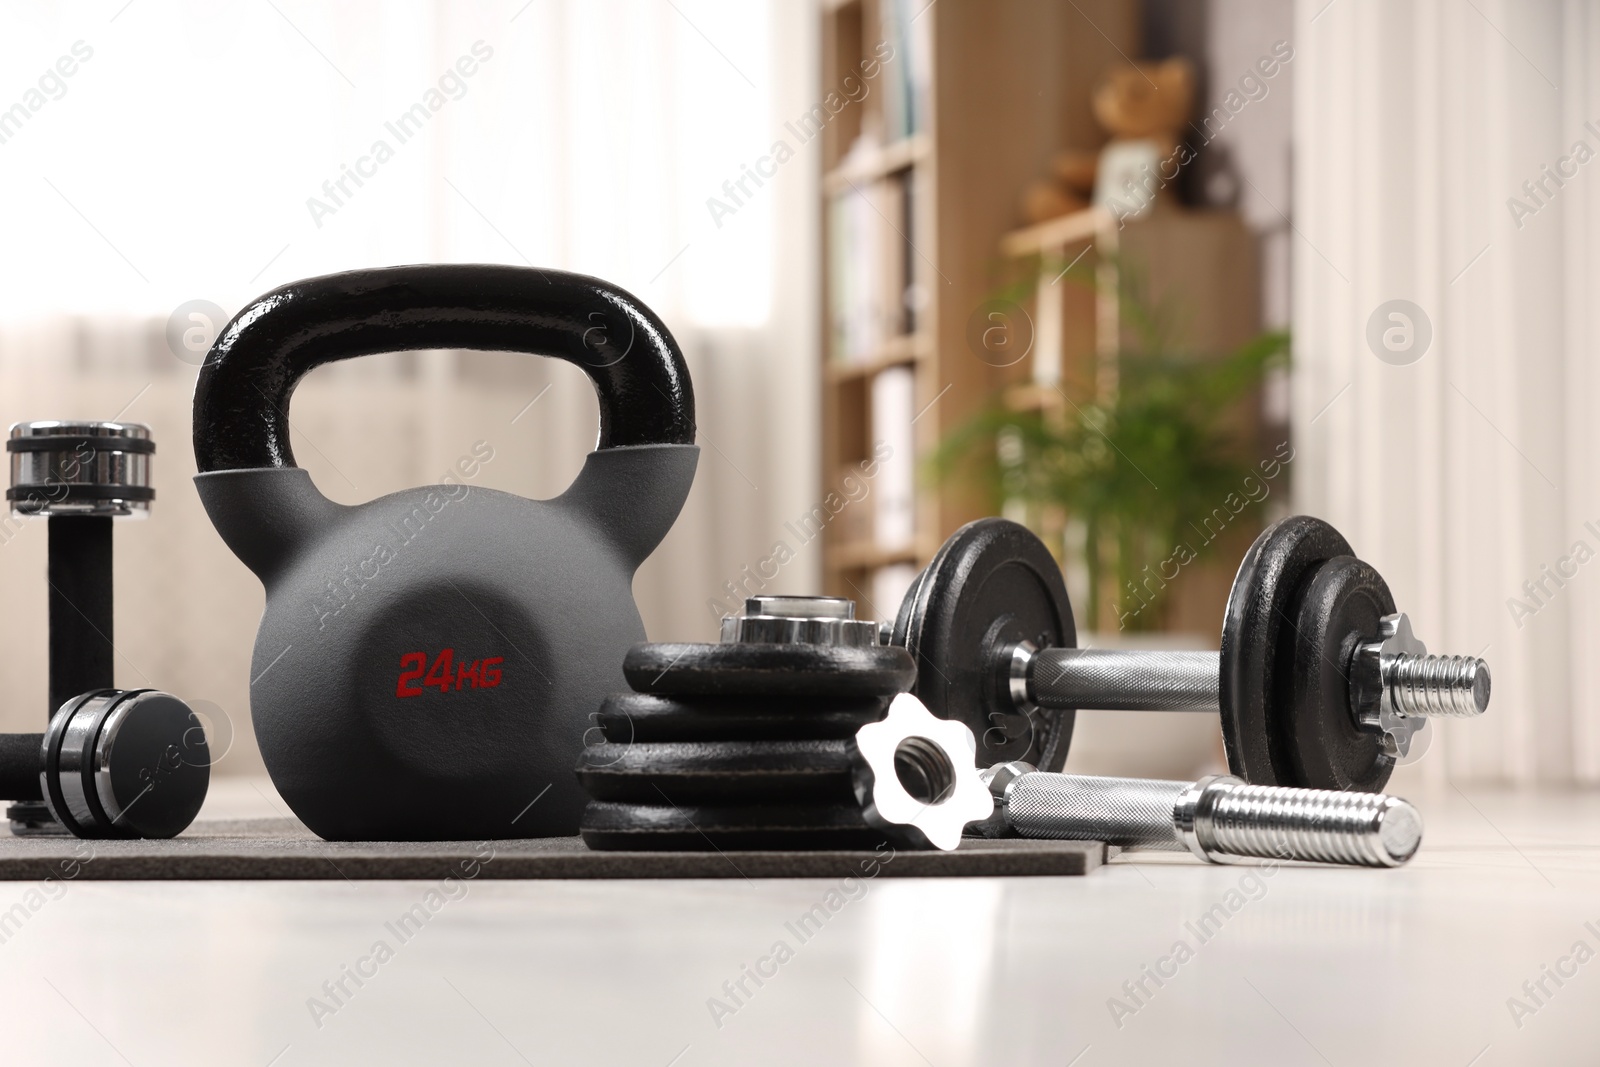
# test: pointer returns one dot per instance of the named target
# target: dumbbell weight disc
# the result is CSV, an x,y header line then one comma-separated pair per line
x,y
1345,600
991,585
763,827
627,718
1257,679
719,772
762,670
125,763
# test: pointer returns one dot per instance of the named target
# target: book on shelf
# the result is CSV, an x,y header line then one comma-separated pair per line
x,y
870,267
905,89
894,392
911,297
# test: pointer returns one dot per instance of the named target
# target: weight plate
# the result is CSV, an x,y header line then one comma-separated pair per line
x,y
763,827
721,772
1256,683
991,585
902,617
626,718
768,670
125,763
1341,606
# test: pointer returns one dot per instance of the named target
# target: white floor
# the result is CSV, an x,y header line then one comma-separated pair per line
x,y
1424,965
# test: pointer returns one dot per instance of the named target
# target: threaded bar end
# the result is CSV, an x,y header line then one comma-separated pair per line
x,y
1323,826
1437,686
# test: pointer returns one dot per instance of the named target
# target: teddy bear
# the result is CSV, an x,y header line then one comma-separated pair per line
x,y
1144,107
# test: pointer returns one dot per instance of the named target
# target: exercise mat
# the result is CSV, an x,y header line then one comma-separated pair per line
x,y
279,848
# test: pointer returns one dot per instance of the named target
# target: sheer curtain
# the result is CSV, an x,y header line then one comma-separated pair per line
x,y
198,155
1438,163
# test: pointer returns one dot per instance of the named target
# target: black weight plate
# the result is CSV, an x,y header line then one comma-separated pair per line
x,y
719,772
902,617
1341,606
763,827
768,670
626,718
1258,645
992,584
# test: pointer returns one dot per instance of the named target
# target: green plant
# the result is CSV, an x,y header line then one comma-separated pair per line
x,y
1135,471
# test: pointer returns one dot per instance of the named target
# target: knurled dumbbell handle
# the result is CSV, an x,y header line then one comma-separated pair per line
x,y
19,766
81,654
1108,679
1130,812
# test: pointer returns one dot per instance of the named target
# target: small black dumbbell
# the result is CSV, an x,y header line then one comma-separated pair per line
x,y
114,763
79,476
1319,683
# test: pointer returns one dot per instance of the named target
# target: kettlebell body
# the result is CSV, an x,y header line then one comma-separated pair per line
x,y
428,662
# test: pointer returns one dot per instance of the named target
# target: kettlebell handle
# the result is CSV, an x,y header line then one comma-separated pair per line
x,y
241,400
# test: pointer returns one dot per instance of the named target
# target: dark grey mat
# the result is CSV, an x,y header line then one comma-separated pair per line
x,y
284,849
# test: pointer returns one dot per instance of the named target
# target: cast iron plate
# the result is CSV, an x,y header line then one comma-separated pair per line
x,y
992,583
1341,606
768,670
1258,646
627,718
719,772
760,827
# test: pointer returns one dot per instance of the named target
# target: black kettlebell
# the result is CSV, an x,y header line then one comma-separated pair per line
x,y
428,661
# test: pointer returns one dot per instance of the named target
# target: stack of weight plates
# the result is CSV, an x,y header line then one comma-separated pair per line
x,y
747,744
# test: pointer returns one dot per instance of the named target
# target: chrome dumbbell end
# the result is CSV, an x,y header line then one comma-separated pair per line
x,y
812,620
113,763
80,469
1396,686
1221,816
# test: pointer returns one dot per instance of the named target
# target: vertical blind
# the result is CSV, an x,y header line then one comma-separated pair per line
x,y
1443,159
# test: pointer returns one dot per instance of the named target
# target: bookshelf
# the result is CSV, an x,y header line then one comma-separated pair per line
x,y
922,175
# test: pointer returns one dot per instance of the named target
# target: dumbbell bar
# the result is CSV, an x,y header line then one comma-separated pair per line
x,y
1214,818
1134,680
1319,683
